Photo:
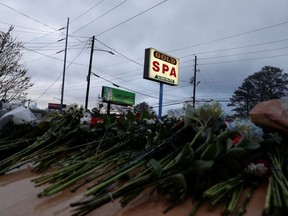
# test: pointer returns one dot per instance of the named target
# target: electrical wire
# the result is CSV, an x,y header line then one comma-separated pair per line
x,y
124,87
61,73
48,88
241,47
259,51
51,56
181,57
231,36
119,53
72,62
27,16
99,17
37,30
240,60
87,11
133,17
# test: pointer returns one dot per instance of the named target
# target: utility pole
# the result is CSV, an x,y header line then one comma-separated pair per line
x,y
194,81
89,73
64,68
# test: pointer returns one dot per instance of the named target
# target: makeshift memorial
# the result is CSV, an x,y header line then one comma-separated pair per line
x,y
200,156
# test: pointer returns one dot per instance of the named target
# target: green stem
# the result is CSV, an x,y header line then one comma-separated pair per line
x,y
112,179
268,198
241,211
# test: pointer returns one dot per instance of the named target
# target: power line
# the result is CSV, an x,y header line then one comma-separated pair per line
x,y
114,84
61,74
29,17
100,16
239,60
87,11
24,27
122,86
119,53
48,88
133,17
198,53
72,62
259,51
231,36
51,56
240,47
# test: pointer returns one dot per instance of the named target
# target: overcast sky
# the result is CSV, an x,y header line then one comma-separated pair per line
x,y
232,39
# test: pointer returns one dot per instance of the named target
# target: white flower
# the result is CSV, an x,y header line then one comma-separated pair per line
x,y
149,121
86,119
258,169
74,110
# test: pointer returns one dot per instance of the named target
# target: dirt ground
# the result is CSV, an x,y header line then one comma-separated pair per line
x,y
18,197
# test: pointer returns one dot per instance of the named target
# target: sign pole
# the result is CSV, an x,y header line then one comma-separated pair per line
x,y
160,100
161,68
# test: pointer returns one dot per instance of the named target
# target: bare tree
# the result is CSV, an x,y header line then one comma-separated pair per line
x,y
179,112
13,74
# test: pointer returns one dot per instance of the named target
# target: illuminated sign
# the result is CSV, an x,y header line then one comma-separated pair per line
x,y
117,96
55,106
160,67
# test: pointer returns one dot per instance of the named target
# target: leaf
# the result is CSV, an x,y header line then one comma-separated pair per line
x,y
236,153
145,115
222,137
250,145
234,166
108,122
47,121
220,171
176,187
85,128
156,168
220,149
189,115
130,116
229,144
123,125
210,152
201,166
185,156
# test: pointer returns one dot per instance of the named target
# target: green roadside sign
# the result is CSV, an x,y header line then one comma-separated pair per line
x,y
117,96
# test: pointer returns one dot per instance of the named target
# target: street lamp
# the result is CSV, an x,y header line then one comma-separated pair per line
x,y
89,70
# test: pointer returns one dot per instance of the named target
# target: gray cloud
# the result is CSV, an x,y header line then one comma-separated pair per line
x,y
210,29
